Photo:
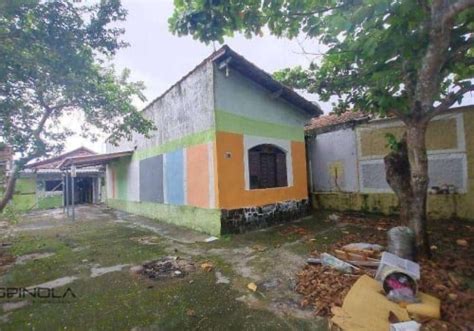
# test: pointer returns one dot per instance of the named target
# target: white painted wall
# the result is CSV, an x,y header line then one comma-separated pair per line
x,y
327,148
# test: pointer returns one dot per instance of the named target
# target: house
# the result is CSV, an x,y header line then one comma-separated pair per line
x,y
41,185
227,155
348,172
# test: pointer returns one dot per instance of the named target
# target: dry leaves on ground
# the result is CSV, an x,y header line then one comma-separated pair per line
x,y
444,276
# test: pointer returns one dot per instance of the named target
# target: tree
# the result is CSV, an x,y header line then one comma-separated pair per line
x,y
53,64
408,58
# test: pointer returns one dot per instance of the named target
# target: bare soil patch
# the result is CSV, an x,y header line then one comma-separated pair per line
x,y
166,268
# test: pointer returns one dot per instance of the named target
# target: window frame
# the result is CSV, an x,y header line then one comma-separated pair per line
x,y
60,188
283,145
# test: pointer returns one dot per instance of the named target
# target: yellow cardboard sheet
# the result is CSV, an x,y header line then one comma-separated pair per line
x,y
365,308
428,307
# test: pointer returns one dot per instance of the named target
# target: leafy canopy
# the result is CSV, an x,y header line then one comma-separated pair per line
x,y
54,63
376,48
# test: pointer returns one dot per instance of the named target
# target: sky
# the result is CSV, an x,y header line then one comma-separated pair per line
x,y
159,58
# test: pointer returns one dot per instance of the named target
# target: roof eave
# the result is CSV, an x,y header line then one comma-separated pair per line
x,y
250,70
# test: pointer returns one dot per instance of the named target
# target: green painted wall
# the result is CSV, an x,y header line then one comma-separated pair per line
x,y
25,185
241,96
229,122
25,197
121,168
439,206
200,219
23,202
25,194
189,140
49,202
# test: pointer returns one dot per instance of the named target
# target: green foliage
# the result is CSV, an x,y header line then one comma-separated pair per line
x,y
375,47
10,214
392,142
54,64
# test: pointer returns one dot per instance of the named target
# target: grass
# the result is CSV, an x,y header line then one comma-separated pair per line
x,y
121,300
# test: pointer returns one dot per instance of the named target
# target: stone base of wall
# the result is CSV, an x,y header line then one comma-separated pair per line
x,y
246,219
440,206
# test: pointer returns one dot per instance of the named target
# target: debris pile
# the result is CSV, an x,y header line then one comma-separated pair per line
x,y
324,287
168,267
443,277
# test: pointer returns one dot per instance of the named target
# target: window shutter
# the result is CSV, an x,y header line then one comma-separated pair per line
x,y
281,170
267,167
254,169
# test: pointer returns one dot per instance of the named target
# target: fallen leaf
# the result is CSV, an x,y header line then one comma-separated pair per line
x,y
259,248
252,287
462,242
207,266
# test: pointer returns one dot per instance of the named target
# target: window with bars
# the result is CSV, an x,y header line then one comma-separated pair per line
x,y
267,167
53,185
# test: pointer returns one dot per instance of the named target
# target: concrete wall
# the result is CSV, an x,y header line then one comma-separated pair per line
x,y
334,164
248,115
30,194
182,113
450,141
171,174
196,159
45,199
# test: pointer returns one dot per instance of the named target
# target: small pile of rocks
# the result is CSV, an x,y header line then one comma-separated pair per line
x,y
167,267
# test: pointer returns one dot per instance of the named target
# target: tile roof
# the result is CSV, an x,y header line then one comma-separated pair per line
x,y
55,161
226,56
333,119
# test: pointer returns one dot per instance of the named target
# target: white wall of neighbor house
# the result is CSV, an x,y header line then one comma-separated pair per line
x,y
334,161
341,151
445,166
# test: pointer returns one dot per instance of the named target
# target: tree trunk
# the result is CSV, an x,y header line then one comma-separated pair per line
x,y
10,189
418,159
398,175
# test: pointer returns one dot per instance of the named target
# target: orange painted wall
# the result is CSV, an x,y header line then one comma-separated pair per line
x,y
231,182
197,181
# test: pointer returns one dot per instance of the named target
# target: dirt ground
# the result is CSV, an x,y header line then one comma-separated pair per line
x,y
94,257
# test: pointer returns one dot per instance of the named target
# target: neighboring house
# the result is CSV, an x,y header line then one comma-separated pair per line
x,y
348,173
41,185
228,152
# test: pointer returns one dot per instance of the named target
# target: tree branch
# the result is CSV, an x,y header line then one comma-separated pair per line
x,y
456,8
460,52
450,100
400,115
313,12
428,77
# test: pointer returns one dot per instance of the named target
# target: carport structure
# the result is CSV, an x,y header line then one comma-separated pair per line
x,y
70,168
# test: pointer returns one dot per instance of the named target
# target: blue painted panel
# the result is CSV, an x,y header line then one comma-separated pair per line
x,y
151,179
174,173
